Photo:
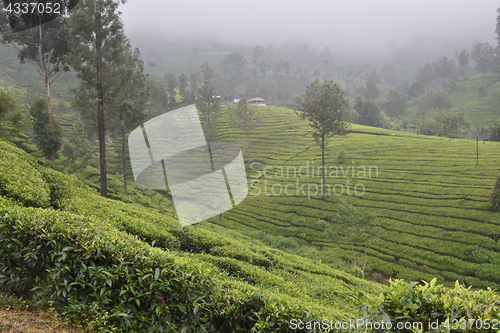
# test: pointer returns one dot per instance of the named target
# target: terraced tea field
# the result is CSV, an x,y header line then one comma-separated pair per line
x,y
429,196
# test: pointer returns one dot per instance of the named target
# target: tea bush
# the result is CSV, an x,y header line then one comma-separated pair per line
x,y
20,179
403,302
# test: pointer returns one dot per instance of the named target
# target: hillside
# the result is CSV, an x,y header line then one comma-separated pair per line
x,y
429,196
466,96
105,263
63,243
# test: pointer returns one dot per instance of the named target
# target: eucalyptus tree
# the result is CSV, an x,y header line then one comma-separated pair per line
x,y
129,98
41,38
208,101
98,46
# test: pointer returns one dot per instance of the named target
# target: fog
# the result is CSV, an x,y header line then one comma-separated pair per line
x,y
361,29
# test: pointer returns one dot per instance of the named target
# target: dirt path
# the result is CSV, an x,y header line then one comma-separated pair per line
x,y
17,321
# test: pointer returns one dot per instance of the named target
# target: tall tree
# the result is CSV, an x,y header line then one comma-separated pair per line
x,y
482,53
12,117
194,82
97,41
171,81
130,96
451,122
327,110
497,29
369,112
394,105
184,91
463,61
48,133
158,96
208,101
444,68
425,76
43,45
233,68
371,90
245,118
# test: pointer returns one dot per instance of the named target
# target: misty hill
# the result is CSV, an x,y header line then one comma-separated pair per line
x,y
470,95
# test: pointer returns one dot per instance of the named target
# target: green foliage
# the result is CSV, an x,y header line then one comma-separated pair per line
x,y
495,195
207,101
482,54
355,225
341,156
452,122
369,113
91,259
79,149
394,105
72,267
411,303
429,127
495,131
245,118
326,109
48,133
12,118
45,46
356,271
434,100
20,179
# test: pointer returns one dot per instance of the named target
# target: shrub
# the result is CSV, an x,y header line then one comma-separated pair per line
x,y
357,272
495,131
20,180
495,195
411,303
341,156
286,243
429,127
110,280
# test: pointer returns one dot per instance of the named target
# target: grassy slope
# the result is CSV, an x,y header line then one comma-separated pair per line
x,y
236,261
430,197
466,99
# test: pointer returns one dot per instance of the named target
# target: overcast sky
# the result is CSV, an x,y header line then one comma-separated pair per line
x,y
356,25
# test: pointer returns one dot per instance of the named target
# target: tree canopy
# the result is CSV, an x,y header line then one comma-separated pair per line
x,y
327,111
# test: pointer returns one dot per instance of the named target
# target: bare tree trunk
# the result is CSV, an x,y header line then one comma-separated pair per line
x,y
323,164
353,254
364,264
100,102
248,140
47,95
124,161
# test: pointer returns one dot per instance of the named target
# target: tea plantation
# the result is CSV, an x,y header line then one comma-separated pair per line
x,y
429,196
124,264
134,269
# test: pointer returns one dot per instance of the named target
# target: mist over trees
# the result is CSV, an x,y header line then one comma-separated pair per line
x,y
408,90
